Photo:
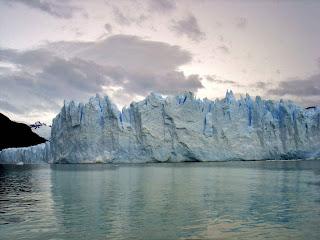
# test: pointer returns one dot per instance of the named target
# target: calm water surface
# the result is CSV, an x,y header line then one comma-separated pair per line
x,y
230,200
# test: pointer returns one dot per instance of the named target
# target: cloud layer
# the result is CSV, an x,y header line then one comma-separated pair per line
x,y
56,8
162,6
304,90
121,65
189,27
225,46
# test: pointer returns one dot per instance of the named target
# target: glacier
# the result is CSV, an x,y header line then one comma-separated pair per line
x,y
177,129
36,154
41,129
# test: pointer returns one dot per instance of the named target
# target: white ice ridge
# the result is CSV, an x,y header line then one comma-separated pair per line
x,y
42,129
179,128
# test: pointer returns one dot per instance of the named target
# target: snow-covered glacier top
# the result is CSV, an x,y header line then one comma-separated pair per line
x,y
182,128
42,129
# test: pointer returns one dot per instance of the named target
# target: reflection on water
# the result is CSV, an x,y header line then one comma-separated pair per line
x,y
234,200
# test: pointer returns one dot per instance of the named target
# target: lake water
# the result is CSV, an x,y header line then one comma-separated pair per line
x,y
225,200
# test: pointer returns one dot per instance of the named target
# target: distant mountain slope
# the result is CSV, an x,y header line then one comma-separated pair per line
x,y
13,134
41,129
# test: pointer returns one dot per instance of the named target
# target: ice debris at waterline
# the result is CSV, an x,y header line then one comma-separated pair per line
x,y
177,128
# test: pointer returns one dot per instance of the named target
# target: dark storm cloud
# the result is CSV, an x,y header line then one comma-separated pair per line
x,y
71,77
56,8
22,94
44,89
308,87
33,59
60,77
76,70
162,6
189,27
143,65
130,52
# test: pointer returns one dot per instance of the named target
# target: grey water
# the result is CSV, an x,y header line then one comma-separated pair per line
x,y
221,200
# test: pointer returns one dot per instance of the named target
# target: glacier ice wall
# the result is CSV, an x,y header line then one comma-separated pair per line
x,y
30,155
183,128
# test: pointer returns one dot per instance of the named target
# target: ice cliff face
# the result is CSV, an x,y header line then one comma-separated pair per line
x,y
30,155
183,128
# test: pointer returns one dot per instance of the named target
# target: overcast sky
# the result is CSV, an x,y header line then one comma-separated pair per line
x,y
51,50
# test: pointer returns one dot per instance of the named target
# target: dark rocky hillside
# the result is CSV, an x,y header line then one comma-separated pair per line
x,y
13,134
